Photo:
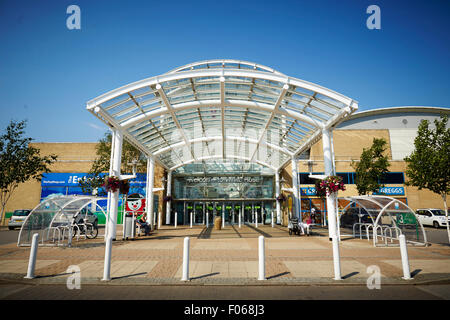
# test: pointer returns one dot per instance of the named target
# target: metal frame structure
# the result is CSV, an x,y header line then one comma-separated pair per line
x,y
382,206
240,110
218,109
60,207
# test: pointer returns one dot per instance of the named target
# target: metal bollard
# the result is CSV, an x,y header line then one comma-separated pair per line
x,y
336,258
272,219
240,220
33,254
207,219
191,218
185,276
107,263
256,220
176,219
223,219
405,260
159,220
261,256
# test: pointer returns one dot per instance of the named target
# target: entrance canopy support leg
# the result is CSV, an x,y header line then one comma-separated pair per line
x,y
116,158
277,194
295,193
168,193
149,190
329,166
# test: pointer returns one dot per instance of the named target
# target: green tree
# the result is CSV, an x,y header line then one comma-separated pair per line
x,y
95,177
372,167
428,166
19,162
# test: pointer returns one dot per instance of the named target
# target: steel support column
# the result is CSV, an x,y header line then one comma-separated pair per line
x,y
113,197
295,192
329,165
149,190
168,193
277,194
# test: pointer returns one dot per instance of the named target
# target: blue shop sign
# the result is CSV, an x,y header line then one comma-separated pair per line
x,y
72,179
391,191
309,191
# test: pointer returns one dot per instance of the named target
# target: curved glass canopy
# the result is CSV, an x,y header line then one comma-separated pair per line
x,y
222,109
390,217
53,217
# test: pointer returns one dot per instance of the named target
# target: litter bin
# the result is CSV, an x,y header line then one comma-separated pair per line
x,y
130,227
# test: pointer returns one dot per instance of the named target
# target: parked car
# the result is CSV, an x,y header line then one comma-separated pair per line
x,y
17,218
432,217
354,215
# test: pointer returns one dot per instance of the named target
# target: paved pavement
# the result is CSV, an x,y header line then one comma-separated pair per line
x,y
226,258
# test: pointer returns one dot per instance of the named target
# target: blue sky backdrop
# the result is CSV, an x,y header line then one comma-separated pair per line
x,y
48,72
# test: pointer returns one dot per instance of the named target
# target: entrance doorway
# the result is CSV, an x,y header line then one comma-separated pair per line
x,y
203,212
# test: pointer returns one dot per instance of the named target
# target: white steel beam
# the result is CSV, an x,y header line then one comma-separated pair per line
x,y
219,138
174,117
275,110
222,110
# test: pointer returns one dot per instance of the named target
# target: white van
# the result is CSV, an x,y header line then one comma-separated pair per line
x,y
432,217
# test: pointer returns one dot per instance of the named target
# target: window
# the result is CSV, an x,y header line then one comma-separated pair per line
x,y
305,179
393,178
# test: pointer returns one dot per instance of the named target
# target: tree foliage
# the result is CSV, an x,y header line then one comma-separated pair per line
x,y
19,162
96,177
372,167
428,166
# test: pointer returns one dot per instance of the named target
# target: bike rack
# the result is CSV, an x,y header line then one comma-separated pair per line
x,y
361,225
398,232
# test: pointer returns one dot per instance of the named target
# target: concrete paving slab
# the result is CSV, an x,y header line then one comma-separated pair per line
x,y
144,244
325,269
212,244
293,244
424,266
226,269
21,266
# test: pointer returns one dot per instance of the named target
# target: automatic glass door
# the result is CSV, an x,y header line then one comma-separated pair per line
x,y
199,213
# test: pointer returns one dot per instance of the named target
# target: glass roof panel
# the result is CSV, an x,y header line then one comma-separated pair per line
x,y
249,91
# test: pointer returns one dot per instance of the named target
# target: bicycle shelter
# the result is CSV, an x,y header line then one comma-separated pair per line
x,y
390,218
52,219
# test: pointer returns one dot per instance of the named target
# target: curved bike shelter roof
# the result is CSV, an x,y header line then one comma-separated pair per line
x,y
52,217
222,109
391,217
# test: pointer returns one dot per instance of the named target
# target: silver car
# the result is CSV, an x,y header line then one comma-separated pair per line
x,y
17,218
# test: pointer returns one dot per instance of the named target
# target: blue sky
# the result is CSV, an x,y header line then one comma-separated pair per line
x,y
48,72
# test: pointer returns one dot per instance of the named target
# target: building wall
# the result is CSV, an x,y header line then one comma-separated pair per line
x,y
72,157
348,146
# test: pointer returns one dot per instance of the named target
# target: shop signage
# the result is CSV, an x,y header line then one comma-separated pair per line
x,y
388,191
72,179
309,191
232,179
391,191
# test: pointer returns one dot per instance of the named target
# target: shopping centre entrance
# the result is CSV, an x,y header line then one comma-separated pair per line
x,y
204,125
204,210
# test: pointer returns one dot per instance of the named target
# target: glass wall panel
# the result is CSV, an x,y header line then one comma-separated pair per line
x,y
225,187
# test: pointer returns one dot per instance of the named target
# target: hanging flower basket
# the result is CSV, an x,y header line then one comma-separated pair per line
x,y
329,186
124,186
112,184
281,198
